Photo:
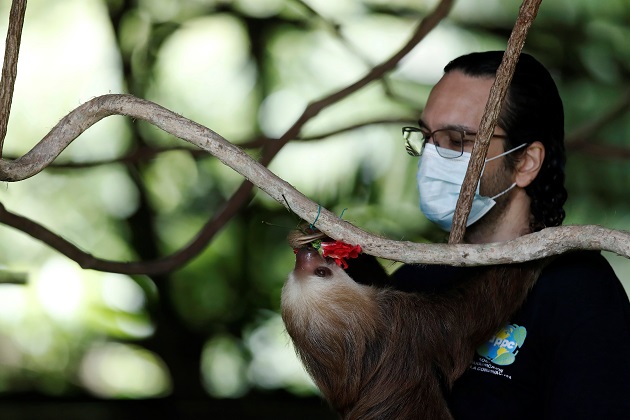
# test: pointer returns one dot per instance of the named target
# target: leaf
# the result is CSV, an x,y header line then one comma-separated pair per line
x,y
12,277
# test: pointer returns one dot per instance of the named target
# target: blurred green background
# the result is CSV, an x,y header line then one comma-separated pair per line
x,y
207,339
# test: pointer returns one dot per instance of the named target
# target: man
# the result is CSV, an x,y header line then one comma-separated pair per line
x,y
564,353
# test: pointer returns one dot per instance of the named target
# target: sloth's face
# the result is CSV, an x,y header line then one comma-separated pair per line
x,y
319,293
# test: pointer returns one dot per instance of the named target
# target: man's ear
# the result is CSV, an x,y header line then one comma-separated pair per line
x,y
529,164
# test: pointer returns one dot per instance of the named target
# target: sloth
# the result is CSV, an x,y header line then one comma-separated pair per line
x,y
376,352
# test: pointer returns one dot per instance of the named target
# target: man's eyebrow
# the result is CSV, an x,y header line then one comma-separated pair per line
x,y
422,124
457,127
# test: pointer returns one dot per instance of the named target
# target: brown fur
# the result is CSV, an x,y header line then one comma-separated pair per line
x,y
380,353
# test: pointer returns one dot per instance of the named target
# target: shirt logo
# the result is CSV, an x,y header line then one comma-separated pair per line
x,y
503,347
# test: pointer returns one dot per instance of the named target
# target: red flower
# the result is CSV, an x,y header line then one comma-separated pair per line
x,y
340,251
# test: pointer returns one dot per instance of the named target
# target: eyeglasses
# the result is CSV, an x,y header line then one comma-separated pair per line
x,y
449,143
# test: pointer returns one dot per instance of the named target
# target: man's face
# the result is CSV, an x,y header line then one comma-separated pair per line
x,y
458,101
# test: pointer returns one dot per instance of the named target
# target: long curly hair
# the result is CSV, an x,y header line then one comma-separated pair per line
x,y
532,111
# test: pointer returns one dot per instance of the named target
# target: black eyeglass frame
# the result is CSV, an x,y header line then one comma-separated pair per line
x,y
426,136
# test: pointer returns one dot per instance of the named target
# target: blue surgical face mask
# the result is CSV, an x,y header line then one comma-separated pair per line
x,y
439,183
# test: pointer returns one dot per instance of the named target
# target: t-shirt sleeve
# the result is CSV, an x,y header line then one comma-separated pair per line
x,y
587,317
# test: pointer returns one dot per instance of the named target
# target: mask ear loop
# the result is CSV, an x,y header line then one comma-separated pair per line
x,y
504,192
506,153
498,156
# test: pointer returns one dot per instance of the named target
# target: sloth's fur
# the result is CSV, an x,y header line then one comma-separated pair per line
x,y
380,353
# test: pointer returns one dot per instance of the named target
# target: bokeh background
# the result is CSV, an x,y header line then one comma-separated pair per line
x,y
207,339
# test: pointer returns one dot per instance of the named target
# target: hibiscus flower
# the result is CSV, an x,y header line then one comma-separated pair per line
x,y
340,251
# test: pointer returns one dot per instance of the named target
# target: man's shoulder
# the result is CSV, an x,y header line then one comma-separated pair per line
x,y
577,285
579,260
579,269
574,272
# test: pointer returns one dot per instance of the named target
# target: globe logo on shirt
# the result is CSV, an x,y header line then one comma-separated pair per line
x,y
503,347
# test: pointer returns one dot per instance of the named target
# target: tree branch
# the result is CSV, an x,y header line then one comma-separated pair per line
x,y
9,68
498,91
548,242
43,154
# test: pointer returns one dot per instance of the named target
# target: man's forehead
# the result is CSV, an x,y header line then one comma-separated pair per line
x,y
457,101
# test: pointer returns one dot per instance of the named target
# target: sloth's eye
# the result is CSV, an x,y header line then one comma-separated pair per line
x,y
323,272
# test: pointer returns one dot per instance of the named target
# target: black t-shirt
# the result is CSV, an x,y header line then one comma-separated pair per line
x,y
564,354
